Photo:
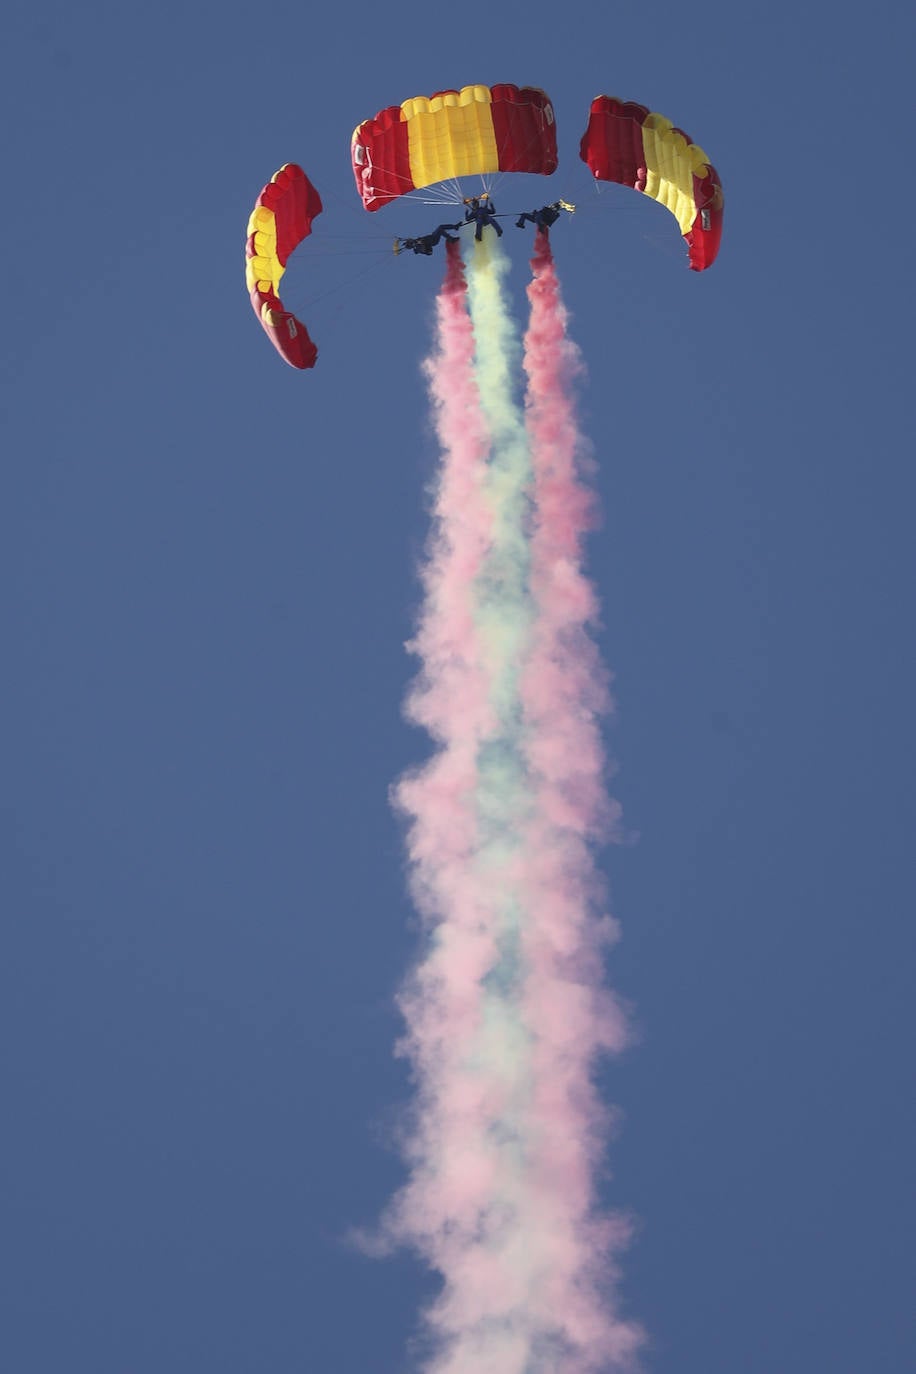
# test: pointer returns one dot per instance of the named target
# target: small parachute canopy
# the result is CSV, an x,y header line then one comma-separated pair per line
x,y
477,130
281,219
627,143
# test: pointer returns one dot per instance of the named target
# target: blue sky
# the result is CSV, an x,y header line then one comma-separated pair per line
x,y
209,576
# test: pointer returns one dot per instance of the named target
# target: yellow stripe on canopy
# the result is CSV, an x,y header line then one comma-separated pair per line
x,y
450,135
263,267
671,162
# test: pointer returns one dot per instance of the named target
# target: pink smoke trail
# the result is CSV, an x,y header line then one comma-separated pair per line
x,y
564,692
451,1175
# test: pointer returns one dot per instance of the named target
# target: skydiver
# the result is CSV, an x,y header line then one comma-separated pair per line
x,y
425,243
547,215
481,215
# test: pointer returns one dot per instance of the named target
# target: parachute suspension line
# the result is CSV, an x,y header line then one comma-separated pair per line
x,y
396,176
438,193
493,179
378,260
346,203
452,192
344,246
432,196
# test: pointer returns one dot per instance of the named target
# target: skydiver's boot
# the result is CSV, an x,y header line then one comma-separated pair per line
x,y
397,246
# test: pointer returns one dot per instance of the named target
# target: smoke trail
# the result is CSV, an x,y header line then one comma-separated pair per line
x,y
563,693
451,1178
504,1011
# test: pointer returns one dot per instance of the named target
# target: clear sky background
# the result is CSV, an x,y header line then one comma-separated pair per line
x,y
208,575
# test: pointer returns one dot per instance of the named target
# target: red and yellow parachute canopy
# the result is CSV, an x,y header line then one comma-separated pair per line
x,y
626,143
478,131
474,131
281,219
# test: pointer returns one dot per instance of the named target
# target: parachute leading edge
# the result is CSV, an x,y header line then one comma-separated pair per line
x,y
474,131
281,219
627,143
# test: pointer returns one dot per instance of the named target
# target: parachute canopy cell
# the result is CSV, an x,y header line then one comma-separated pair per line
x,y
281,219
477,130
627,143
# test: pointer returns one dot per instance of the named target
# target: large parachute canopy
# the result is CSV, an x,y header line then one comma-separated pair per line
x,y
627,143
281,219
477,130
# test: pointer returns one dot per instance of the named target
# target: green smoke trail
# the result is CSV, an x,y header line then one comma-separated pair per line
x,y
504,619
504,602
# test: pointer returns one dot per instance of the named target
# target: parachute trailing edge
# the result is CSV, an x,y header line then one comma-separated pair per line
x,y
629,144
477,130
282,217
